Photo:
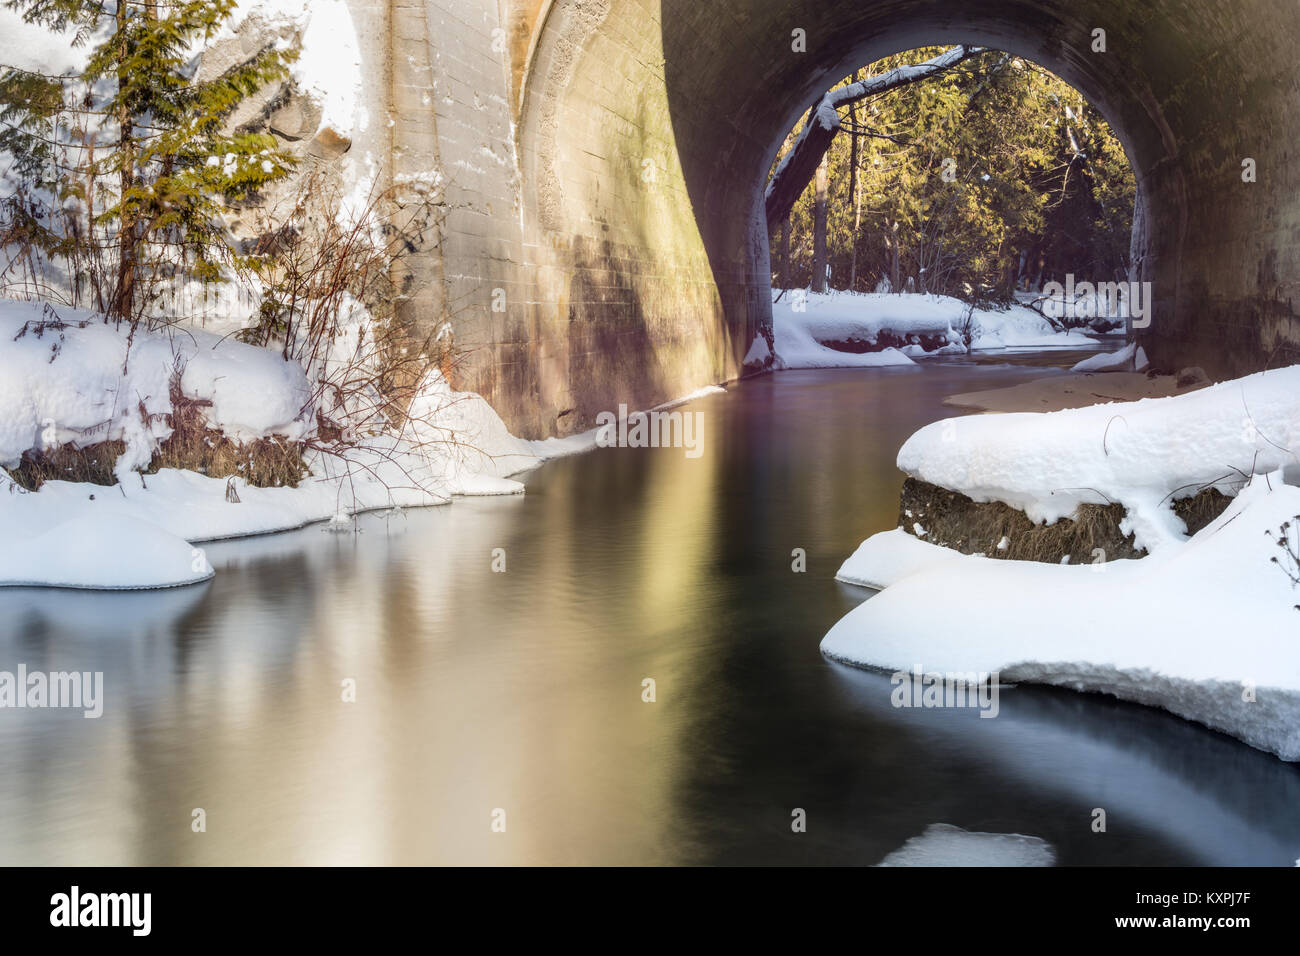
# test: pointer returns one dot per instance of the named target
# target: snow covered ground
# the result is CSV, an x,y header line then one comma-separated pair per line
x,y
803,320
1143,454
65,378
1206,627
1209,630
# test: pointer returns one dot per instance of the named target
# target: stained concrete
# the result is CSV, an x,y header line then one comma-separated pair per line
x,y
606,159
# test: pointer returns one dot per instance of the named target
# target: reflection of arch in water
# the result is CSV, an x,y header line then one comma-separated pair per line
x,y
1215,799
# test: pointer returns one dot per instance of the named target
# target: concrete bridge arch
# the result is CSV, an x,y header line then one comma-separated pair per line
x,y
627,228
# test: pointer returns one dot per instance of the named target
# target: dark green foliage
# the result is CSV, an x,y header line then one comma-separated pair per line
x,y
127,168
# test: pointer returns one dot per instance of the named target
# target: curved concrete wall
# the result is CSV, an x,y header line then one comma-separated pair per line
x,y
607,160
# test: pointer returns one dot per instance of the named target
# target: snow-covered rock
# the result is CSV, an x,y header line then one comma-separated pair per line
x,y
79,380
1142,454
1208,630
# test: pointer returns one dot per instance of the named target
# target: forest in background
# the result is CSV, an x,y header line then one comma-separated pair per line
x,y
991,177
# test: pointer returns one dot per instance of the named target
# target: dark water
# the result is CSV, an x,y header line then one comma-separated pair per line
x,y
522,690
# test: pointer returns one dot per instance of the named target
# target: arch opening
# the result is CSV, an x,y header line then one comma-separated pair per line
x,y
973,174
1222,296
646,132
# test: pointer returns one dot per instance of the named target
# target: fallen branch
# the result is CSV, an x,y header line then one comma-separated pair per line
x,y
796,170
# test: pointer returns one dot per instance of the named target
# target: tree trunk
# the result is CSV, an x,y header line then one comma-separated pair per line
x,y
785,253
819,228
124,298
853,195
896,277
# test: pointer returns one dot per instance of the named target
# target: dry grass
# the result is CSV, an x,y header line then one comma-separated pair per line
x,y
885,339
264,463
953,520
91,465
1202,508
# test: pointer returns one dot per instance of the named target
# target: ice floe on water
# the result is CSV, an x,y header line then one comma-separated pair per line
x,y
945,845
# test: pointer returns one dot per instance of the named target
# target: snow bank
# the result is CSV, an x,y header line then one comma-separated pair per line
x,y
480,451
1131,358
796,347
1208,630
884,558
1143,454
197,508
101,551
945,845
74,381
391,471
803,320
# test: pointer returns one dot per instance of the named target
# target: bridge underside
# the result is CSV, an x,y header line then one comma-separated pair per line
x,y
607,163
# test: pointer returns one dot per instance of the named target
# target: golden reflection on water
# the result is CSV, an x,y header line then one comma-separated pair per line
x,y
522,690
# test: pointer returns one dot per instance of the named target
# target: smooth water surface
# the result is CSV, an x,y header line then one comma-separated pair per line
x,y
522,690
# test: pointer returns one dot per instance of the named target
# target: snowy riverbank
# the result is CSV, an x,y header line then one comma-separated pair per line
x,y
847,329
1143,454
1205,627
66,380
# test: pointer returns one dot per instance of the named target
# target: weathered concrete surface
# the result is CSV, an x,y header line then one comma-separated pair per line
x,y
605,159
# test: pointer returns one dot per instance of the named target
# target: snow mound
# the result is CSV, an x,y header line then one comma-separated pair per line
x,y
475,453
945,845
469,434
803,320
758,353
1131,358
1209,631
1142,454
798,347
884,558
68,377
108,552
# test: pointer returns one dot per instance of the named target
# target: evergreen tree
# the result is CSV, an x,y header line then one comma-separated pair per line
x,y
130,164
991,175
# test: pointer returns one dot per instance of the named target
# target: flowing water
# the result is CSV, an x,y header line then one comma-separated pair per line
x,y
478,691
